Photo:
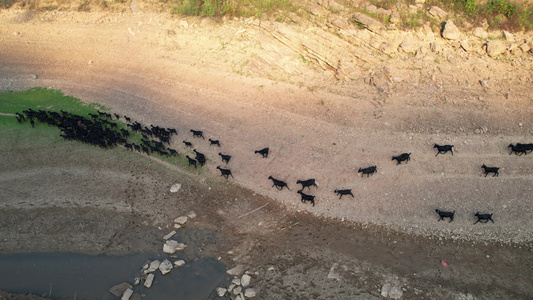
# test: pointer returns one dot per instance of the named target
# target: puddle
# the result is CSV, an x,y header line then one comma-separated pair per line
x,y
81,276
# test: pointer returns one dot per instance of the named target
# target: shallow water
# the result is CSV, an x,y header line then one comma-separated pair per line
x,y
80,276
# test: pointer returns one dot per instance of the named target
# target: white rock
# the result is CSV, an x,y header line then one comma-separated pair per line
x,y
181,220
149,280
250,293
171,246
175,188
177,226
437,12
508,36
450,31
238,270
237,290
179,263
231,287
127,294
165,267
385,290
480,33
221,292
495,48
154,265
184,24
236,281
395,292
240,297
245,280
191,215
169,235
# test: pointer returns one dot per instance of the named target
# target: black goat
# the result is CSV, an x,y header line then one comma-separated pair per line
x,y
307,183
172,131
486,217
343,192
214,142
368,171
491,170
263,152
527,147
172,152
198,134
402,157
192,161
518,148
225,172
187,144
278,183
306,198
198,154
225,158
443,149
445,214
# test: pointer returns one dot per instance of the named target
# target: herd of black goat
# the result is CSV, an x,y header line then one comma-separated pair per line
x,y
102,130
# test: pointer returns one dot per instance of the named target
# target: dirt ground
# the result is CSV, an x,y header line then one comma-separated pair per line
x,y
158,71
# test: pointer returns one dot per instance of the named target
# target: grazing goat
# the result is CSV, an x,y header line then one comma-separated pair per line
x,y
343,192
225,158
306,198
445,214
443,149
263,152
225,172
192,161
518,148
187,144
198,154
172,131
402,157
172,152
214,142
491,170
486,217
307,183
368,171
198,134
278,183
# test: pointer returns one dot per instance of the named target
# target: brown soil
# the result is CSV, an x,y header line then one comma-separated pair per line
x,y
203,77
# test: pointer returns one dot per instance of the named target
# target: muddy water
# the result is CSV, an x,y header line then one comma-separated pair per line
x,y
81,276
72,275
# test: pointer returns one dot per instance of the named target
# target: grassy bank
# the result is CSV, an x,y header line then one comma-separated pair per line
x,y
21,135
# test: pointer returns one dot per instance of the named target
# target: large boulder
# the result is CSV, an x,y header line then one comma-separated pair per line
x,y
495,48
450,31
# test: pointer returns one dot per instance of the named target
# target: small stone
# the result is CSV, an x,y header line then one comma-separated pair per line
x,y
179,263
250,293
191,215
237,290
165,267
154,265
90,62
127,294
175,188
245,280
395,18
236,271
508,36
231,287
520,125
236,281
169,235
484,83
137,281
385,290
184,24
149,280
181,220
177,226
450,31
395,292
221,292
35,76
119,289
435,47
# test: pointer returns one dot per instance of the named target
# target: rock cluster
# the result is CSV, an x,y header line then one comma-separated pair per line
x,y
240,285
150,268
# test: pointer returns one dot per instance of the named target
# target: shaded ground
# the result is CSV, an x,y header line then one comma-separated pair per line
x,y
75,198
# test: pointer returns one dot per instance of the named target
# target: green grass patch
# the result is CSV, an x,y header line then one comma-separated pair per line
x,y
21,135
